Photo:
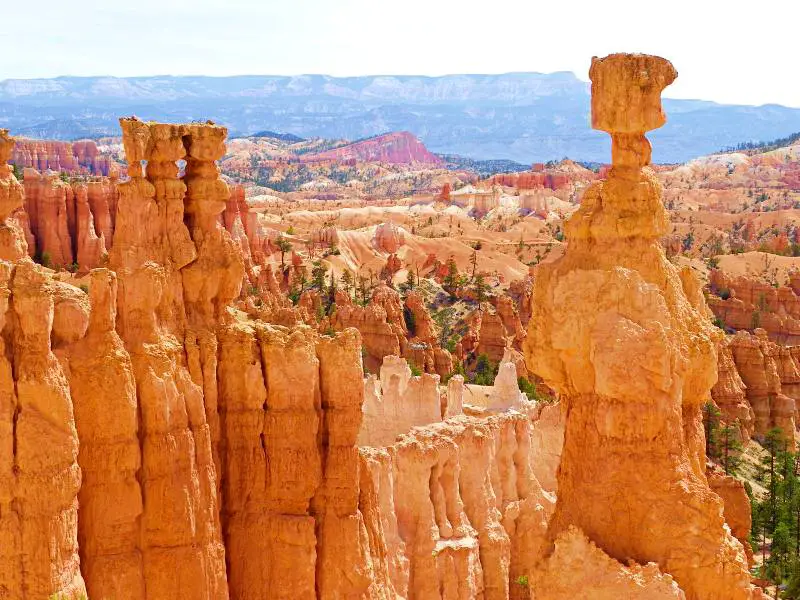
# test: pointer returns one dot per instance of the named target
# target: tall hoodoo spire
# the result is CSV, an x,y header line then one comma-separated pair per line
x,y
625,339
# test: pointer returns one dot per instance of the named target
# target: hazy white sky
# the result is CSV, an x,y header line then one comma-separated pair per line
x,y
725,50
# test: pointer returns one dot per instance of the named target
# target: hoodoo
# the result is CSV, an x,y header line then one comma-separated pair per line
x,y
625,338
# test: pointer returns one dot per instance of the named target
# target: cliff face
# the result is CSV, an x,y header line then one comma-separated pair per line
x,y
129,413
69,225
627,341
747,304
730,393
71,157
455,509
769,373
39,468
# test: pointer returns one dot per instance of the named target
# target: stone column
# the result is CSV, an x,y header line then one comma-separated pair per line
x,y
633,358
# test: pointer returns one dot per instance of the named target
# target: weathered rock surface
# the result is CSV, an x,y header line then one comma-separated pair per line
x,y
389,237
69,224
762,365
453,509
579,569
744,303
626,340
730,392
400,147
737,506
70,157
160,439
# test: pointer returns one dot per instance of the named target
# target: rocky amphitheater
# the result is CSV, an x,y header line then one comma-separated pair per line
x,y
173,426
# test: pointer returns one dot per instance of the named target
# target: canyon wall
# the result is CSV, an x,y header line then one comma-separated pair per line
x,y
744,303
128,412
69,225
75,158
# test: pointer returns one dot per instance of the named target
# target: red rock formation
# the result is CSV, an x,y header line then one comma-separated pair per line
x,y
180,522
444,195
163,441
270,479
737,506
389,237
380,323
47,201
744,303
103,196
578,564
80,157
562,176
393,265
43,155
757,361
39,472
40,508
729,393
394,148
13,243
90,249
626,341
106,414
67,224
508,314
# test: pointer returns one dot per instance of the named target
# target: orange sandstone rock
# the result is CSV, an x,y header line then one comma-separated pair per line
x,y
633,358
579,569
13,243
453,509
737,506
46,202
106,415
181,545
729,393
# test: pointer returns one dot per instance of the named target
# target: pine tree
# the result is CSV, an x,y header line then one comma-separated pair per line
x,y
318,273
774,444
451,280
347,281
711,417
480,288
730,448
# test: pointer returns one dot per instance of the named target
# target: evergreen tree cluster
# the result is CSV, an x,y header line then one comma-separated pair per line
x,y
775,532
764,146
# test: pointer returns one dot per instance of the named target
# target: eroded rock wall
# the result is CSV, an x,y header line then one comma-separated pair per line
x,y
453,509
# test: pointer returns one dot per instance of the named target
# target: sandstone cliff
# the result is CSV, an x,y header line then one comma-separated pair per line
x,y
744,303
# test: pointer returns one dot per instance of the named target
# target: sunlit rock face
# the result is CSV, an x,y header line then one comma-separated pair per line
x,y
625,339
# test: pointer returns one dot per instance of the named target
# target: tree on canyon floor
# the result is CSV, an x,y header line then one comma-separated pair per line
x,y
775,529
485,370
723,440
283,246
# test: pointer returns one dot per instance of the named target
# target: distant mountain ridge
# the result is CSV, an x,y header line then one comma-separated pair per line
x,y
524,117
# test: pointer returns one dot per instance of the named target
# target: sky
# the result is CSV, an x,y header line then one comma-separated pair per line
x,y
729,51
